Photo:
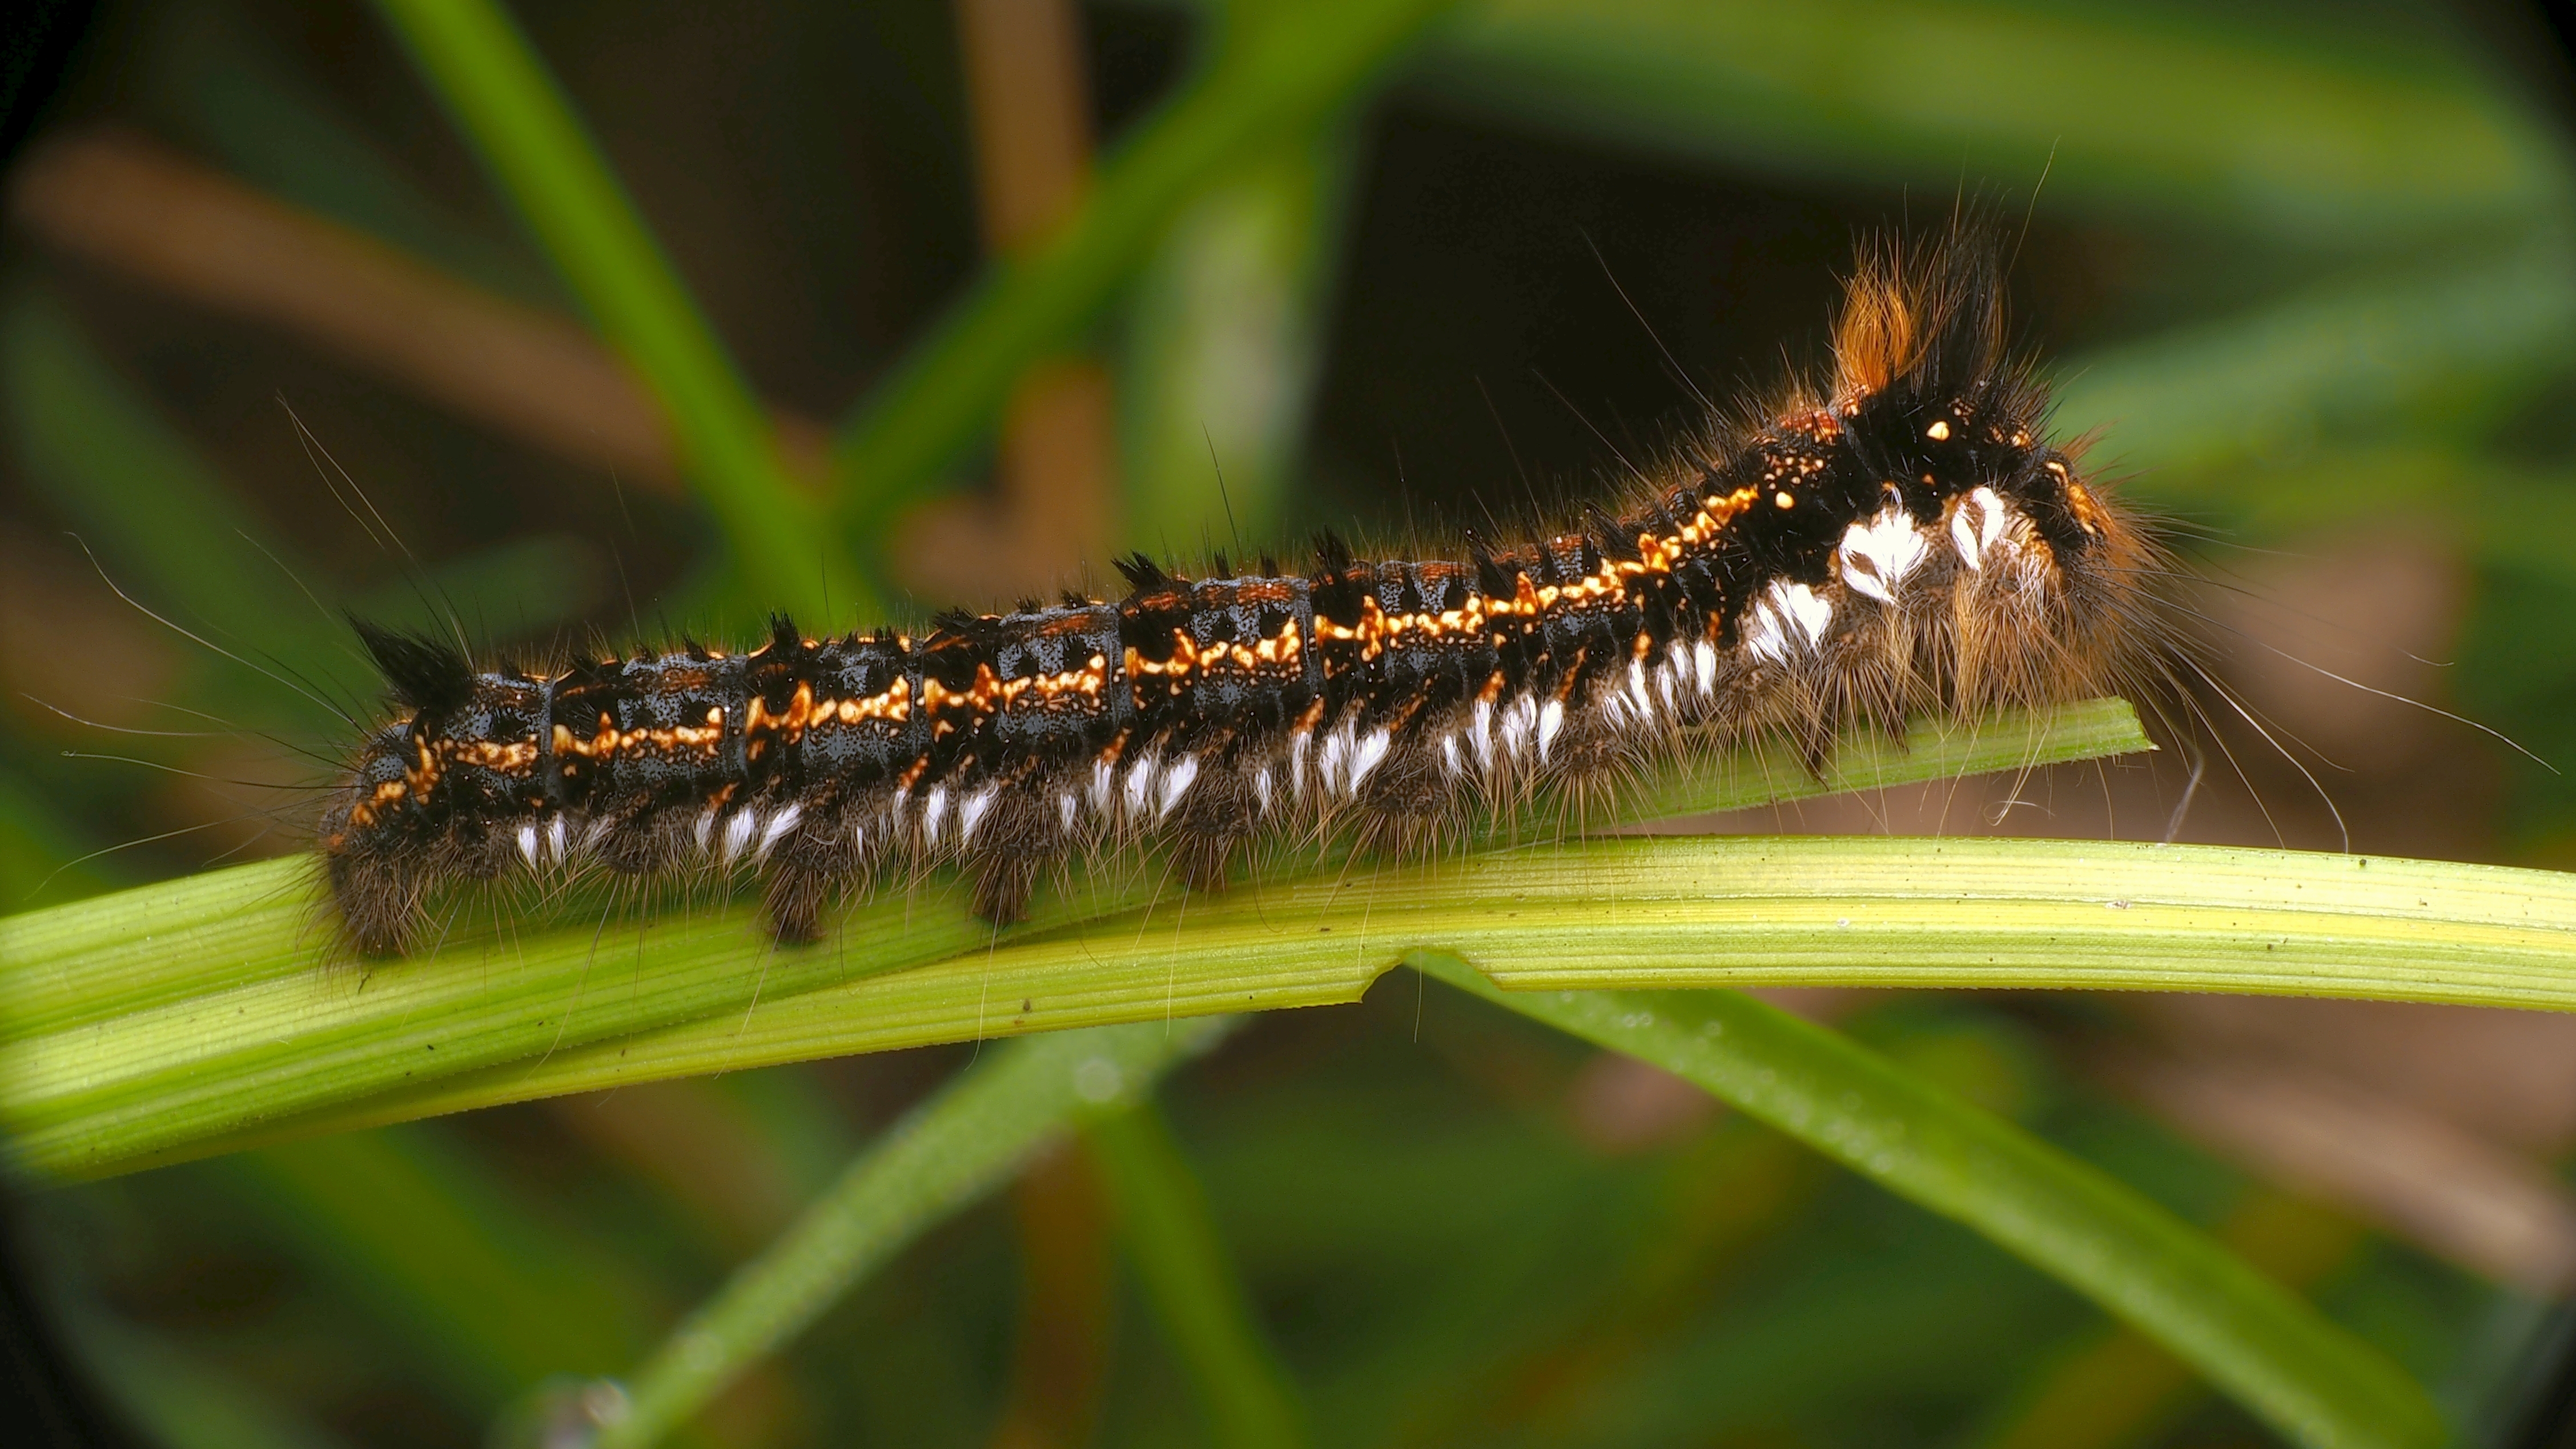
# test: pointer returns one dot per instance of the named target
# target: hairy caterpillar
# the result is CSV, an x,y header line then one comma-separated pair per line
x,y
1907,539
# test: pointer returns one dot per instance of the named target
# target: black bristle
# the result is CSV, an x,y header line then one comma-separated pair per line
x,y
784,635
1142,574
1332,552
1492,579
1074,599
1608,534
422,673
1217,568
1966,343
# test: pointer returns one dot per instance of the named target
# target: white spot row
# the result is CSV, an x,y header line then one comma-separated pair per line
x,y
745,833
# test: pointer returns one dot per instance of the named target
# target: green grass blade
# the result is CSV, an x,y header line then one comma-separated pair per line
x,y
962,1143
202,1014
2255,1340
1272,84
208,1013
524,129
1665,911
1172,1242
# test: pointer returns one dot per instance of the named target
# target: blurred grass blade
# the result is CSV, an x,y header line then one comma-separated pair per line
x,y
35,843
1288,68
1172,1242
167,527
524,129
2450,343
1223,342
952,1150
2280,1358
2374,137
233,98
2114,1387
406,1223
171,529
117,1051
175,1396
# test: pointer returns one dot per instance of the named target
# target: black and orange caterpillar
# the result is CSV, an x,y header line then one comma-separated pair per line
x,y
1907,541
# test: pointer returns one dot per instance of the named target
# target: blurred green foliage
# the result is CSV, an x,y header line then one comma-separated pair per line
x,y
2329,270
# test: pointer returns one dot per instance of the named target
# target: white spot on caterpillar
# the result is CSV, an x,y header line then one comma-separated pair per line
x,y
1480,732
1297,744
934,813
1673,667
1788,618
1371,752
1261,787
1328,760
555,838
1550,720
1104,779
737,833
1518,721
1140,785
1637,690
1176,783
1877,556
1067,804
1449,756
1979,525
779,824
1704,658
970,812
528,845
704,834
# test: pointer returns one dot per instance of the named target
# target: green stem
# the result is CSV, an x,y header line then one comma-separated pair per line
x,y
952,1150
1171,1239
523,127
2256,1341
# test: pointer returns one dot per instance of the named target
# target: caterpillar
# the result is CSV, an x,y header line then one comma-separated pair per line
x,y
1906,538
